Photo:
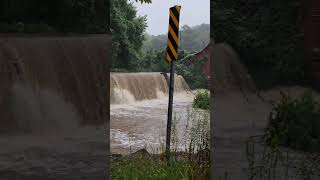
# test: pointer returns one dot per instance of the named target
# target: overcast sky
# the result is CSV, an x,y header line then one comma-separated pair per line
x,y
193,12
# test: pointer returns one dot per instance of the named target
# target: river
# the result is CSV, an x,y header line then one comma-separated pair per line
x,y
138,111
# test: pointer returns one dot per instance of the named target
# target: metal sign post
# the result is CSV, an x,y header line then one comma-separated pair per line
x,y
172,49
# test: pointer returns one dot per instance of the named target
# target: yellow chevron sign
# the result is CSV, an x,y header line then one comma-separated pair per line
x,y
173,34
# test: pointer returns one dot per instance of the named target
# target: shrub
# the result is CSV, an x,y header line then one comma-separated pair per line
x,y
295,123
201,100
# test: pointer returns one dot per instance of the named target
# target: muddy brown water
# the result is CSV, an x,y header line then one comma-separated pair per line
x,y
80,153
53,106
138,110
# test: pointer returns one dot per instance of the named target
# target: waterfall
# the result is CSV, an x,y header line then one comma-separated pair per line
x,y
131,87
53,81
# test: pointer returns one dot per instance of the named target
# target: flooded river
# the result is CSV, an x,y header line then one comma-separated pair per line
x,y
143,124
138,110
50,142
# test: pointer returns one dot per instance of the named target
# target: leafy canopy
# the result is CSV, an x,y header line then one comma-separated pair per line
x,y
127,29
266,34
144,1
83,16
192,39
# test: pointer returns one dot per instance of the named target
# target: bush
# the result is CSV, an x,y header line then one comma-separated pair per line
x,y
201,100
295,123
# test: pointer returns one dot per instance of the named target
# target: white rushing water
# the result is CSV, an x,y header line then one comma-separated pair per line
x,y
138,111
142,124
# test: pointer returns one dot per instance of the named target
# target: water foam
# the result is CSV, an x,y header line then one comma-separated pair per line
x,y
121,96
131,87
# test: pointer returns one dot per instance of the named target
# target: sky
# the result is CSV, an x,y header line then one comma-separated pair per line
x,y
193,12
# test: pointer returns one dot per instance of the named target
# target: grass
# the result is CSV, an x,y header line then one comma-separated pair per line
x,y
149,168
191,164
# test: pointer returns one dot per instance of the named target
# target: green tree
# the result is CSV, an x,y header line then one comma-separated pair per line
x,y
266,34
144,1
128,35
192,38
83,16
154,61
192,73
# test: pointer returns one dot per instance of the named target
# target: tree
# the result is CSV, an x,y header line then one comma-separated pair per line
x,y
144,1
83,16
192,38
267,36
128,35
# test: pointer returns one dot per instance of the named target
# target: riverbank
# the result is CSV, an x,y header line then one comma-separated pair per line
x,y
143,165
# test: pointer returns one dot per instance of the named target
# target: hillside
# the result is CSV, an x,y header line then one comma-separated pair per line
x,y
193,38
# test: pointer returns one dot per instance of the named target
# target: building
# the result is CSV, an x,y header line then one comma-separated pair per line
x,y
204,55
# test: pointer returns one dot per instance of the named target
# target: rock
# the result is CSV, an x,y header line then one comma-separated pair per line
x,y
140,153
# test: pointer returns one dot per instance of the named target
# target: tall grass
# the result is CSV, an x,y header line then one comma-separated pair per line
x,y
152,168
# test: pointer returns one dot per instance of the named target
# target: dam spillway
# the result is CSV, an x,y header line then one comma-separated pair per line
x,y
53,78
131,87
